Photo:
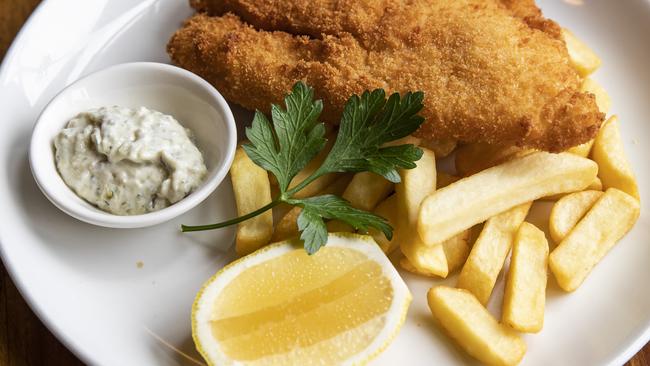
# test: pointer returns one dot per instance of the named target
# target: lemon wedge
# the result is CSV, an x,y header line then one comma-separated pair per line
x,y
280,306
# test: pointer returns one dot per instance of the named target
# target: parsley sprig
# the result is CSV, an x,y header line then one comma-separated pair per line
x,y
285,146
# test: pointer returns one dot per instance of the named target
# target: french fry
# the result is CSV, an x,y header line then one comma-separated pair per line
x,y
610,218
473,158
566,212
388,210
595,185
247,177
287,226
456,250
582,58
476,198
366,190
525,292
474,328
480,272
427,260
582,150
444,179
416,184
615,170
603,101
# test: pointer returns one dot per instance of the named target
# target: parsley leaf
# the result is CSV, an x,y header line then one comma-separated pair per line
x,y
316,209
369,122
295,137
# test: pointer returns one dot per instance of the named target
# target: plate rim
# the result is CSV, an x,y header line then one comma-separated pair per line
x,y
68,342
619,358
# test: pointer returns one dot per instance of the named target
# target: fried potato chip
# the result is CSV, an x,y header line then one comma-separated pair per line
x,y
416,184
595,185
388,210
476,198
456,250
474,328
567,211
525,292
615,170
583,59
485,261
366,190
247,177
610,218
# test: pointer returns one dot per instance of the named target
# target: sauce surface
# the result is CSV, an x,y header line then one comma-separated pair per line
x,y
128,161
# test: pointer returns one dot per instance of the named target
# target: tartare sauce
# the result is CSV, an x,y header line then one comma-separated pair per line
x,y
128,161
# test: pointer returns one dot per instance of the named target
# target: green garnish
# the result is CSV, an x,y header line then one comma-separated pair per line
x,y
295,137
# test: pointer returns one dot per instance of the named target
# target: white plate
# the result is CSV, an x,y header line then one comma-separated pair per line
x,y
83,280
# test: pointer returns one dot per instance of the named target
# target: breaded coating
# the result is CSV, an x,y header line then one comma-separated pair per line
x,y
374,22
487,73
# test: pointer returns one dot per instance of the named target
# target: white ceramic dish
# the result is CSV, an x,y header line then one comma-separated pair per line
x,y
83,281
161,87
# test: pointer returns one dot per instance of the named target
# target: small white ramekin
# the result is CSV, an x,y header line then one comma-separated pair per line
x,y
165,88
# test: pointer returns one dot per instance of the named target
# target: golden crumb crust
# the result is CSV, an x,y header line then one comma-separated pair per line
x,y
492,71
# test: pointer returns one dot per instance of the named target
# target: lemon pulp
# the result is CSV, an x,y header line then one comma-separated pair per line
x,y
293,307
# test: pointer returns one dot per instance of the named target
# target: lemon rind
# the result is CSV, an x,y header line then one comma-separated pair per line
x,y
402,296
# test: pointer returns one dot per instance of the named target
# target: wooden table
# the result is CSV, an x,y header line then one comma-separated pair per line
x,y
23,338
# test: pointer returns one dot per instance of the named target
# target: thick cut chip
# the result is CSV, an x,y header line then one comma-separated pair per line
x,y
427,260
525,293
388,210
366,190
568,211
474,328
416,184
596,185
611,217
485,261
615,170
478,197
247,177
281,306
583,59
456,251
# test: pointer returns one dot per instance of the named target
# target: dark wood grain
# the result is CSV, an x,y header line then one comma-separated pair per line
x,y
24,340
